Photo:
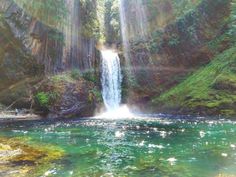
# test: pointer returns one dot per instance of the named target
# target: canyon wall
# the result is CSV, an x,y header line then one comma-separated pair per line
x,y
34,47
178,46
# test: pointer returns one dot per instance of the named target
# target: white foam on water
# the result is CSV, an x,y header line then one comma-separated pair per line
x,y
121,112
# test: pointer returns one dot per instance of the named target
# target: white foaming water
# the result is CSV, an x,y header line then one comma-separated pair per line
x,y
111,79
121,112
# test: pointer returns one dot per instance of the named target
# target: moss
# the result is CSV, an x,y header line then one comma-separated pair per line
x,y
210,89
184,7
95,95
75,74
19,157
45,99
90,76
42,98
219,43
173,40
63,77
63,91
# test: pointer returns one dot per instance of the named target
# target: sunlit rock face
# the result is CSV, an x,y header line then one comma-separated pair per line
x,y
30,48
79,51
56,48
185,43
146,17
16,61
135,15
35,38
175,45
73,96
18,158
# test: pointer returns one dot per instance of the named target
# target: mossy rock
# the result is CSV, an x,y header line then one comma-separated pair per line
x,y
19,158
208,91
227,83
67,94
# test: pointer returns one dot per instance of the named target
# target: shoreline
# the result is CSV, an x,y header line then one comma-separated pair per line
x,y
9,117
5,117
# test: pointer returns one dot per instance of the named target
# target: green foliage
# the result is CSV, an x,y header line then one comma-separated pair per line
x,y
42,98
75,74
109,20
112,21
53,97
132,81
232,25
216,43
56,36
173,40
90,76
182,7
61,78
191,31
90,23
156,41
45,99
97,94
153,47
164,12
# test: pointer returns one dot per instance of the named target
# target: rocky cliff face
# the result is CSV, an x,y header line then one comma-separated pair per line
x,y
31,49
67,94
28,52
55,49
37,40
80,43
209,91
166,42
178,49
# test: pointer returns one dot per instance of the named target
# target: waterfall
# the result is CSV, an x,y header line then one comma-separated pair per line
x,y
111,79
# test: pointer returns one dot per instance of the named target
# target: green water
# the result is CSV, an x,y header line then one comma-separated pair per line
x,y
148,147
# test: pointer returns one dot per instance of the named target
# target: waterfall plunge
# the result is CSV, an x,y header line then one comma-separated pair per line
x,y
111,79
111,86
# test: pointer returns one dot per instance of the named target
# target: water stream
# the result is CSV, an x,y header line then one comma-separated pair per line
x,y
111,79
